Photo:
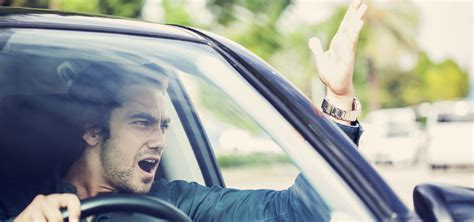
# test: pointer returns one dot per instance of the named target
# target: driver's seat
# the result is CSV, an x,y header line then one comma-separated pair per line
x,y
37,136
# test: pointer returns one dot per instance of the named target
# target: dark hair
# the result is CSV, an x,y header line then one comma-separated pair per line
x,y
97,87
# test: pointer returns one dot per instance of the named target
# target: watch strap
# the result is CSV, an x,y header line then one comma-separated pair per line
x,y
341,114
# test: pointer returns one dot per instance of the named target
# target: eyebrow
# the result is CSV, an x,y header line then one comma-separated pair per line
x,y
146,116
149,117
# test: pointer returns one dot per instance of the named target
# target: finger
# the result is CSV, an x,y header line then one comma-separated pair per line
x,y
74,208
358,27
315,46
354,35
353,23
346,18
351,14
50,211
361,11
356,3
33,214
34,211
36,215
69,201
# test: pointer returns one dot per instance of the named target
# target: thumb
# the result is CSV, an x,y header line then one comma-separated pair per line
x,y
315,46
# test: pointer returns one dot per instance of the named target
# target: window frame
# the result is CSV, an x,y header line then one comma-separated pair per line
x,y
379,197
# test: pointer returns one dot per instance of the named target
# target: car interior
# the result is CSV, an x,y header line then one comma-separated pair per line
x,y
38,132
39,139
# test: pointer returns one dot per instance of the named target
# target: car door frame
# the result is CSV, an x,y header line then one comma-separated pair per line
x,y
340,152
325,138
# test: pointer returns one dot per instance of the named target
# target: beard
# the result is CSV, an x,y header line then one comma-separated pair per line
x,y
117,173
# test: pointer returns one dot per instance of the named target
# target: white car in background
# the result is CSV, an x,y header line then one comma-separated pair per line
x,y
451,133
392,136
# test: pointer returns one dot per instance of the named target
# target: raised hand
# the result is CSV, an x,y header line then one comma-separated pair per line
x,y
336,65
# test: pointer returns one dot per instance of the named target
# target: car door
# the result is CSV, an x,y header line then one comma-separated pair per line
x,y
235,130
204,82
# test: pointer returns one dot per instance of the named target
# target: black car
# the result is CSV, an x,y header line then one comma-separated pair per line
x,y
217,88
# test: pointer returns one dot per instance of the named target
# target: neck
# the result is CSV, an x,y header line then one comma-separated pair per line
x,y
84,175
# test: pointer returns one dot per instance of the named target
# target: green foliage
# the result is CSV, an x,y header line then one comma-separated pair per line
x,y
389,34
252,23
445,80
266,11
86,6
175,13
31,4
261,40
427,82
236,160
122,8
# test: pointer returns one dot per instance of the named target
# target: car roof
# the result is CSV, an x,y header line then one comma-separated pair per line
x,y
13,17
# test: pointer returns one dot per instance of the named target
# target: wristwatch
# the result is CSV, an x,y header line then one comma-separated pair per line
x,y
337,113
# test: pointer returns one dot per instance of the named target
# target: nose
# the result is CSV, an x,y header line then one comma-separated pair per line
x,y
157,140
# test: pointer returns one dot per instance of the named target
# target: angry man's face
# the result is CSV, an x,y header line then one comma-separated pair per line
x,y
130,156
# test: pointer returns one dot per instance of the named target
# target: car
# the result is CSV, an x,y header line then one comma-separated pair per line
x,y
392,136
450,128
212,83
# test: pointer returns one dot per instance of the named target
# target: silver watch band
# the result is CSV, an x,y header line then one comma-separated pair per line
x,y
337,113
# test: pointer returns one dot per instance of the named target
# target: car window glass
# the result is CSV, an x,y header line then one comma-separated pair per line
x,y
209,103
247,156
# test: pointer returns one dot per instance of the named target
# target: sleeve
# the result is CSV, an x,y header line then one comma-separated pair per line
x,y
201,203
3,214
298,203
353,131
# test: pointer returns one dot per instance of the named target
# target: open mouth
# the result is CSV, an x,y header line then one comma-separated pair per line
x,y
147,165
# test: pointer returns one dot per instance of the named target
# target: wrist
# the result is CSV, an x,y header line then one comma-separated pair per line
x,y
344,102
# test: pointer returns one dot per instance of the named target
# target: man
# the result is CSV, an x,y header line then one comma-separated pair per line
x,y
123,125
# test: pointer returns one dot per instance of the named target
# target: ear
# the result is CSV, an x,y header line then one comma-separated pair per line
x,y
92,136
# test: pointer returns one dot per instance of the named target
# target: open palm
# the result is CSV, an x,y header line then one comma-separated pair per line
x,y
336,65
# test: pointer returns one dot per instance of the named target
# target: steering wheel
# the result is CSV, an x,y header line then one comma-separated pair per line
x,y
147,205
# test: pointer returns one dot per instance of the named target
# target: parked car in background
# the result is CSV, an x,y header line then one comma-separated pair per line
x,y
451,134
392,136
42,52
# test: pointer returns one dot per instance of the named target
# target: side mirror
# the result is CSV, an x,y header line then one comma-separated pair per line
x,y
444,202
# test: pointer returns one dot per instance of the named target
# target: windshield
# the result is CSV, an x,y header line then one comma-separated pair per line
x,y
195,115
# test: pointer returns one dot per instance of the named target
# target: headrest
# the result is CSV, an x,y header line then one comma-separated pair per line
x,y
36,133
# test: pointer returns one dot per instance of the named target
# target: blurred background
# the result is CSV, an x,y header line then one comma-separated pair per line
x,y
414,72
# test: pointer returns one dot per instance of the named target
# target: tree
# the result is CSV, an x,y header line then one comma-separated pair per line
x,y
440,81
122,8
389,36
175,12
250,23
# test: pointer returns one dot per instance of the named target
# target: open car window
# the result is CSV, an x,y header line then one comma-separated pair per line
x,y
220,131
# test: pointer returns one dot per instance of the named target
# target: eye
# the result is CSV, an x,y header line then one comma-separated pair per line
x,y
164,127
142,123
